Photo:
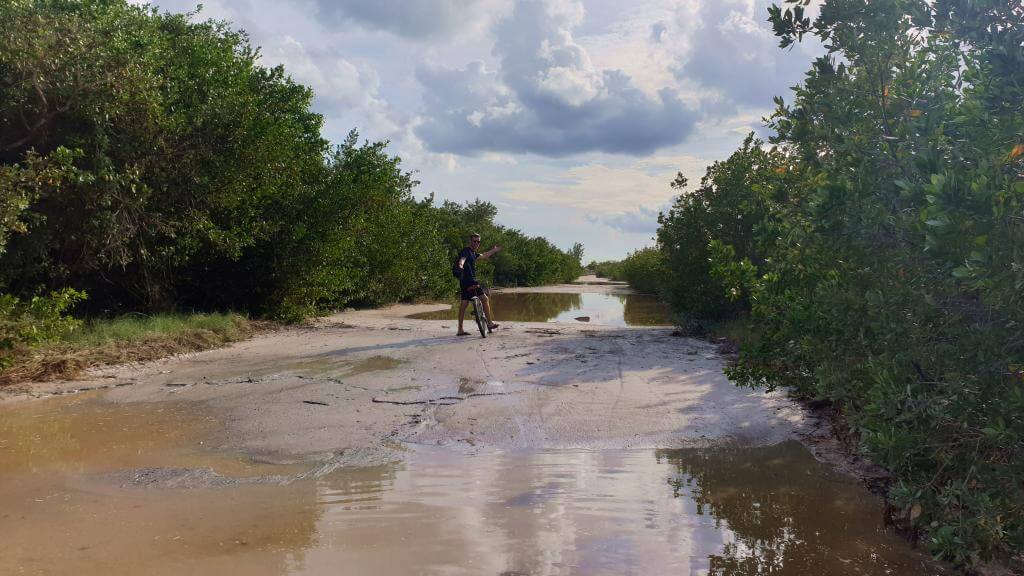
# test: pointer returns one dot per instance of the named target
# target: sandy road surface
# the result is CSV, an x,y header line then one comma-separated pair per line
x,y
358,386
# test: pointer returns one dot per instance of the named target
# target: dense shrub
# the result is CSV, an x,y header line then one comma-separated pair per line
x,y
173,144
605,269
709,237
25,324
644,269
880,251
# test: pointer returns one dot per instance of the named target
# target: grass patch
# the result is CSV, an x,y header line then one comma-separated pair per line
x,y
139,328
131,338
736,330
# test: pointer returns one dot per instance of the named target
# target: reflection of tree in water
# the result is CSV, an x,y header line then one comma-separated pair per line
x,y
534,307
519,307
743,488
643,310
789,514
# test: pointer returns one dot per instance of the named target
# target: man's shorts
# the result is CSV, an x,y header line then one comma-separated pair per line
x,y
467,292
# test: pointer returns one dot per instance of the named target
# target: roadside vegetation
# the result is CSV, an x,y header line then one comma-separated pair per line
x,y
643,269
127,338
149,164
872,255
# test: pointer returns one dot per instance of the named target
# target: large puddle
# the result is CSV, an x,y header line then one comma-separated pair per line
x,y
67,507
606,309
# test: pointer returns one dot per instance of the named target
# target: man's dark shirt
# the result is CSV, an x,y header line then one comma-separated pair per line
x,y
469,268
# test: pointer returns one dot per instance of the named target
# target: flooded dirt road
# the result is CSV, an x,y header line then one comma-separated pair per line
x,y
371,443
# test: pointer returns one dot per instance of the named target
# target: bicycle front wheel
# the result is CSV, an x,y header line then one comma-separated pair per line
x,y
481,320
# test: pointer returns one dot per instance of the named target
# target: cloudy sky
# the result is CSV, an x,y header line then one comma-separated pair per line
x,y
571,116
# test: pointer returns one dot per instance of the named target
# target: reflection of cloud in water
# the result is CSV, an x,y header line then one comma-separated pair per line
x,y
771,510
755,511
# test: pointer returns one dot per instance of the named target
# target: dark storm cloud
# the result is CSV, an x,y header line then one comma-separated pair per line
x,y
419,20
735,54
545,97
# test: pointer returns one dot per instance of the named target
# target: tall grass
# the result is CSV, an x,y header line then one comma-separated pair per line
x,y
137,328
131,338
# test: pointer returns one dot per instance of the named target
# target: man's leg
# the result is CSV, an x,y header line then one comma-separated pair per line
x,y
462,313
487,308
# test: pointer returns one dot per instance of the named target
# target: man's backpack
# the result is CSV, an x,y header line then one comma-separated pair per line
x,y
456,271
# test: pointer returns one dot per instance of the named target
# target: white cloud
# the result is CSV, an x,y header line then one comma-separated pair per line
x,y
604,189
631,44
496,158
340,87
422,20
643,220
545,96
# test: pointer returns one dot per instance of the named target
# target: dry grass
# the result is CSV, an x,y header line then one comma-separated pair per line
x,y
128,339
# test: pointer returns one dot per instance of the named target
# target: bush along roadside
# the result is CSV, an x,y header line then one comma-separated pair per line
x,y
130,338
24,325
876,249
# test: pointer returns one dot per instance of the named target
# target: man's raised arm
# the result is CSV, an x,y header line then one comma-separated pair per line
x,y
491,252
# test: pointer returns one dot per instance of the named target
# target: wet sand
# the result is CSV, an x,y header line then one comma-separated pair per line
x,y
364,382
386,444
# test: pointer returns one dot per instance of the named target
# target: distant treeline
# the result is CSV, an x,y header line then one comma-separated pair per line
x,y
643,269
149,163
876,251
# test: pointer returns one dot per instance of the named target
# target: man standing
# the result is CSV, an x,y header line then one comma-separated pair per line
x,y
468,284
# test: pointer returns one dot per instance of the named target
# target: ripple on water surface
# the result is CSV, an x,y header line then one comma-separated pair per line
x,y
770,510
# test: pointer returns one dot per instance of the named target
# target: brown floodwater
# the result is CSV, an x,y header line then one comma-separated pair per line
x,y
339,369
605,309
73,500
374,364
68,507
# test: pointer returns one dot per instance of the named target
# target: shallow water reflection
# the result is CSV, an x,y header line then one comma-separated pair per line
x,y
745,512
606,309
755,511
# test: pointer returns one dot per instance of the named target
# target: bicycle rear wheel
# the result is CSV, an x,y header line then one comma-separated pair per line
x,y
481,320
